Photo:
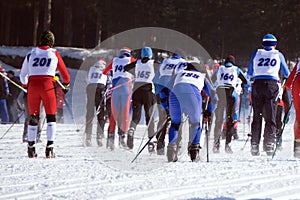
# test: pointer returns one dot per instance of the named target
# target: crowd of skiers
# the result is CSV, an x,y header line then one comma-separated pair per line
x,y
175,87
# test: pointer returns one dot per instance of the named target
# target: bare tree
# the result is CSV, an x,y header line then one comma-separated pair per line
x,y
47,16
68,16
36,16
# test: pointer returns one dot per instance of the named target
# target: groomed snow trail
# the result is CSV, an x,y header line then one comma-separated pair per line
x,y
94,172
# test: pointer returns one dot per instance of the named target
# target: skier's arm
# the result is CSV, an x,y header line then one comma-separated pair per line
x,y
107,68
283,66
214,76
62,68
24,71
130,67
213,98
250,67
291,77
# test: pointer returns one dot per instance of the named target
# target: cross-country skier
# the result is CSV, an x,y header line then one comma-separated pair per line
x,y
282,106
161,80
121,95
4,91
143,70
264,69
186,98
95,91
226,77
293,83
38,71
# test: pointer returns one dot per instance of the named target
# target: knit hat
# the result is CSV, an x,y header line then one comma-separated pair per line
x,y
147,52
47,39
11,72
269,40
2,69
125,51
230,61
101,63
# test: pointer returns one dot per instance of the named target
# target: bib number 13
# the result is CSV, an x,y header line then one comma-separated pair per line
x,y
267,62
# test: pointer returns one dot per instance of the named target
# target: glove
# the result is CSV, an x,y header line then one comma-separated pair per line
x,y
25,86
206,114
168,115
67,87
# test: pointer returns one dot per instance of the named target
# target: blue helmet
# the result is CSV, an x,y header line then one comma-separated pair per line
x,y
146,52
269,40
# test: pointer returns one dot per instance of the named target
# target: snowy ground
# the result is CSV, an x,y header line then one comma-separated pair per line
x,y
81,172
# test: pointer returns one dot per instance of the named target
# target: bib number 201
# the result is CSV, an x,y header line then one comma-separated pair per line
x,y
41,62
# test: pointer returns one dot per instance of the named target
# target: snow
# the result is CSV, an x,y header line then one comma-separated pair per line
x,y
80,172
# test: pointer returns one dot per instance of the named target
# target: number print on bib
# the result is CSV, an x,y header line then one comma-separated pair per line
x,y
227,76
41,62
266,62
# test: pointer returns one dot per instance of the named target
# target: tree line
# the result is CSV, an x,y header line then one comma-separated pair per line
x,y
221,26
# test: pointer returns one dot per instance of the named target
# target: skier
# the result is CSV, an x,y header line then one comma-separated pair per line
x,y
11,100
186,98
226,78
264,69
95,91
293,83
282,106
143,70
120,98
162,90
38,71
3,95
60,98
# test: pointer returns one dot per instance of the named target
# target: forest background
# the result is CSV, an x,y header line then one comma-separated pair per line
x,y
222,27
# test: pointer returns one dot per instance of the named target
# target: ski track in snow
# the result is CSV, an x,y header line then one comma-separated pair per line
x,y
80,172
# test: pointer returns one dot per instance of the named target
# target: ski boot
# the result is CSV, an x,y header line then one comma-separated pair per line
x,y
216,148
194,152
297,148
268,147
110,141
255,149
160,148
88,140
228,149
234,132
171,153
130,138
99,139
31,150
151,147
50,150
122,142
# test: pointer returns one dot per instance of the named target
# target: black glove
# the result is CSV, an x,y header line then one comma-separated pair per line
x,y
67,87
206,114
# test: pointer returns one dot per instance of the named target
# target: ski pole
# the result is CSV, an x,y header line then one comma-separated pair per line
x,y
249,135
150,138
207,139
285,120
205,123
12,125
59,83
16,84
